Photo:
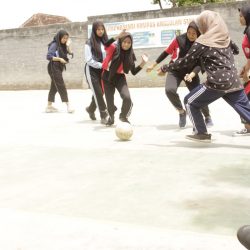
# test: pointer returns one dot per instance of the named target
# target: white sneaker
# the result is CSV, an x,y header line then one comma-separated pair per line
x,y
242,132
70,110
51,109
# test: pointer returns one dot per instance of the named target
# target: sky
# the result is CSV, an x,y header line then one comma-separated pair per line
x,y
14,13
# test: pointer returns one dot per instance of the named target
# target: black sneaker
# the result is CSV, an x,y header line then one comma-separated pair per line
x,y
182,119
209,122
91,114
105,117
111,121
199,137
104,120
124,119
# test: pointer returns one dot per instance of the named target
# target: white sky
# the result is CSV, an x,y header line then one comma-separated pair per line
x,y
13,13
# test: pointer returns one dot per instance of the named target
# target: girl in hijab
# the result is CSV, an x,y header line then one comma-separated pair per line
x,y
94,55
57,56
119,61
178,48
212,51
244,13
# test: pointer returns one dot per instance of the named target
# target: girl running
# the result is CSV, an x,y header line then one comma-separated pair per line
x,y
119,61
94,55
213,52
178,48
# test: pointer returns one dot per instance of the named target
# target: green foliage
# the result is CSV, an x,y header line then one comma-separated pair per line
x,y
197,2
157,2
178,3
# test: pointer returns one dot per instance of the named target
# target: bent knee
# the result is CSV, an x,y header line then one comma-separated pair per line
x,y
170,91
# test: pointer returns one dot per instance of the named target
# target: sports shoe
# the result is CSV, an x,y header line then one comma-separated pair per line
x,y
70,110
199,137
124,119
91,114
242,132
104,120
209,122
104,117
111,121
51,109
182,119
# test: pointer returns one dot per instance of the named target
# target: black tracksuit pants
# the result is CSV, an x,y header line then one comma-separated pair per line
x,y
202,96
55,70
93,77
119,82
173,81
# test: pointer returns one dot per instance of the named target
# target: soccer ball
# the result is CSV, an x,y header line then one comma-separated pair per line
x,y
124,131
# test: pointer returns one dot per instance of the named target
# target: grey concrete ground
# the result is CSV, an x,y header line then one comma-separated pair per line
x,y
68,183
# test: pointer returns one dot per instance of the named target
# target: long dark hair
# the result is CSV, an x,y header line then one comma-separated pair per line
x,y
95,41
245,11
126,57
61,48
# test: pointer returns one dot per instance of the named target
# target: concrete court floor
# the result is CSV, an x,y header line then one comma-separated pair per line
x,y
68,183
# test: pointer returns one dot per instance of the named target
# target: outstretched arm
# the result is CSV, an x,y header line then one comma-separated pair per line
x,y
113,39
188,61
168,51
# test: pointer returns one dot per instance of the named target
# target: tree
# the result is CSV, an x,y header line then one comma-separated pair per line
x,y
197,2
157,2
178,3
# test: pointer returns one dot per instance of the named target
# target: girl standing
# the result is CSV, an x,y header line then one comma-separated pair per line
x,y
119,61
178,48
212,49
57,56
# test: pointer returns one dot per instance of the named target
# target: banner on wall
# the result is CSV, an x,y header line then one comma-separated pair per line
x,y
150,33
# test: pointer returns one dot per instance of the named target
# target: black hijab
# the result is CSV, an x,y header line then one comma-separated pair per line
x,y
126,57
183,41
95,41
61,48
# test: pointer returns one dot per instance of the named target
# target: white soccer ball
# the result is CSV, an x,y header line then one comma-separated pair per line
x,y
124,131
